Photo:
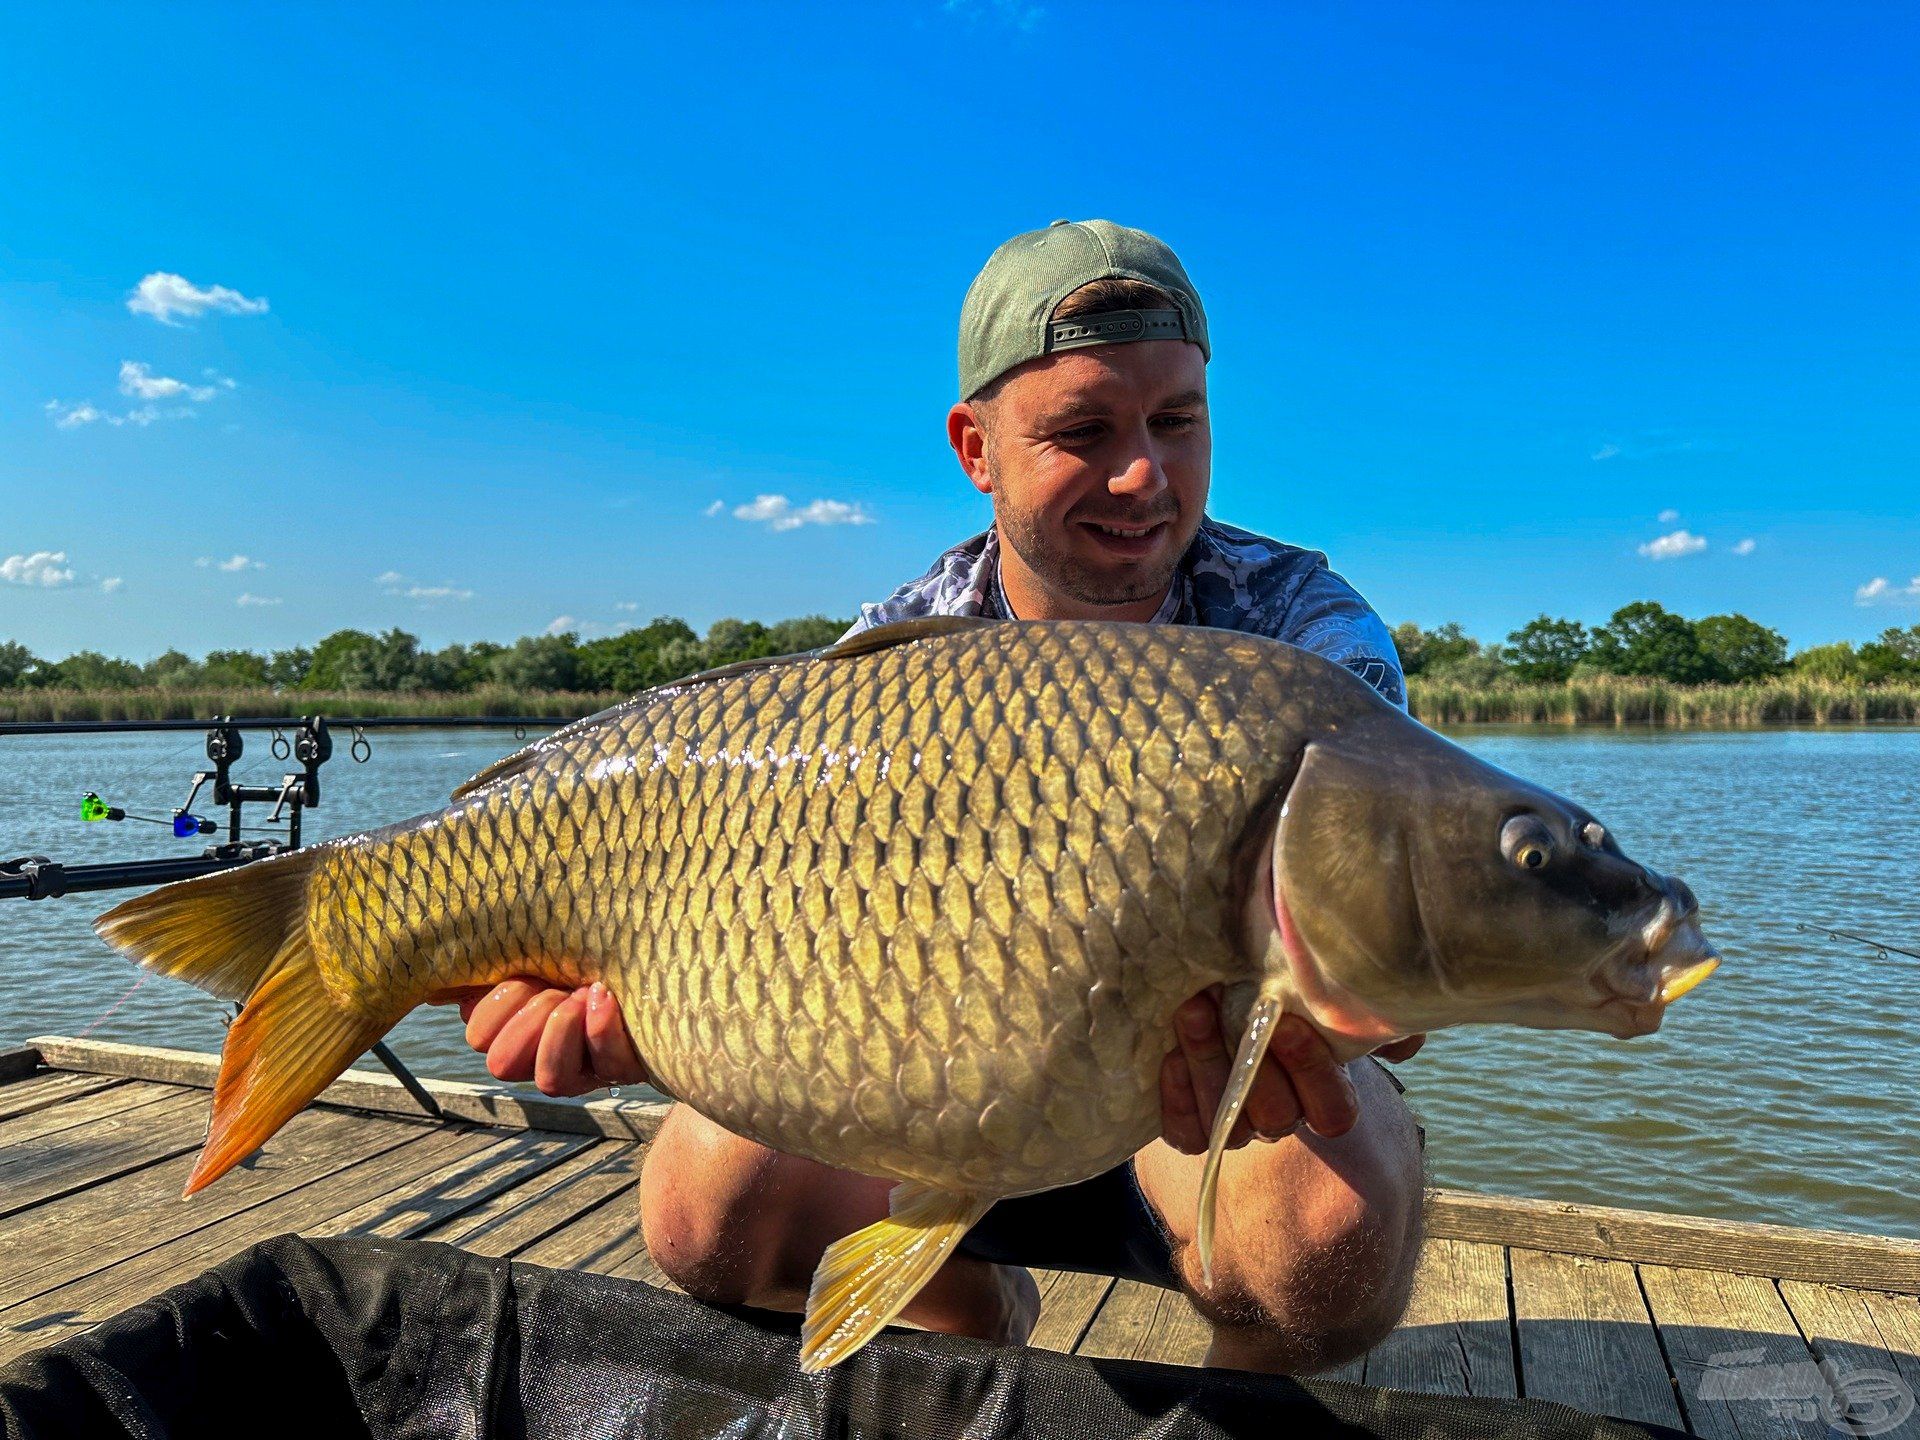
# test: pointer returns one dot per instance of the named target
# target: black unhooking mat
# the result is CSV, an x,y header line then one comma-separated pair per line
x,y
410,1340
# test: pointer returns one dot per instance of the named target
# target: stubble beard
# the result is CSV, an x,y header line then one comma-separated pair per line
x,y
1066,573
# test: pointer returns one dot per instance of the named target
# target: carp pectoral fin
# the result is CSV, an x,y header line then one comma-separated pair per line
x,y
1261,1018
867,1279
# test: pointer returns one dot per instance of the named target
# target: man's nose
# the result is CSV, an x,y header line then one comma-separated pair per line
x,y
1140,472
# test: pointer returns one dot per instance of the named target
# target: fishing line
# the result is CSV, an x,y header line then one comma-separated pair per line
x,y
106,1014
1880,947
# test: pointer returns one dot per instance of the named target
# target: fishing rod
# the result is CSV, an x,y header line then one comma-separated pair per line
x,y
1880,947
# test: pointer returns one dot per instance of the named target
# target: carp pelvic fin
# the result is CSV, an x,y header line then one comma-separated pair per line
x,y
868,1278
242,935
1261,1018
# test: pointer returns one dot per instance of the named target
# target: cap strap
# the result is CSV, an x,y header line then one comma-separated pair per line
x,y
1113,327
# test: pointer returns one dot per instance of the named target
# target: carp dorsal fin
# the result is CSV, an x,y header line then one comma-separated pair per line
x,y
880,637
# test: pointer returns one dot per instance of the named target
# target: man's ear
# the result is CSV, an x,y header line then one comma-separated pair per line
x,y
966,433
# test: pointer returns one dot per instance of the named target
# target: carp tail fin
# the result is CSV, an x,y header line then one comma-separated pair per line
x,y
242,935
1261,1018
866,1279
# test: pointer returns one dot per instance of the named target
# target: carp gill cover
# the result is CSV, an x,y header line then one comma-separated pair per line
x,y
922,905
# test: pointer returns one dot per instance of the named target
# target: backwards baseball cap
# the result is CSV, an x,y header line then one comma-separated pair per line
x,y
1007,318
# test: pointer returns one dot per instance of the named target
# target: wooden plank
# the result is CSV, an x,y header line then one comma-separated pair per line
x,y
1586,1339
1138,1321
1834,1257
1720,1331
1456,1337
48,1088
17,1062
626,1119
598,1239
94,1153
1864,1330
459,1186
105,1104
1068,1302
101,1225
71,1308
508,1223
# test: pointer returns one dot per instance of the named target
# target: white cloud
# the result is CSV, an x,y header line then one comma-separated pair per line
x,y
1667,517
561,624
163,296
390,577
1876,591
626,604
779,513
251,599
432,592
715,508
72,417
112,583
233,564
1672,547
45,568
137,379
1743,547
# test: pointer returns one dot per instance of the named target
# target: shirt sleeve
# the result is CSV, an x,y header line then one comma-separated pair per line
x,y
1329,617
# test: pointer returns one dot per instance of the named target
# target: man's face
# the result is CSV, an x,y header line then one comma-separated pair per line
x,y
1098,462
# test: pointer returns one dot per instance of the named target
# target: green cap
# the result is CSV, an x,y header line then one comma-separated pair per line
x,y
1007,318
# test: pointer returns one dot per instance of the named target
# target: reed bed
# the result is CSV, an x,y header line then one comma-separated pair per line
x,y
1625,701
192,704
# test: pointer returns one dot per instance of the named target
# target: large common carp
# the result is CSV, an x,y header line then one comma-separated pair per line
x,y
922,906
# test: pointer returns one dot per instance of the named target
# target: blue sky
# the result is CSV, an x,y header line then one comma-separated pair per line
x,y
508,299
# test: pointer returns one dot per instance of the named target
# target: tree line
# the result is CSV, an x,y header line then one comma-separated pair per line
x,y
354,660
1641,639
1646,639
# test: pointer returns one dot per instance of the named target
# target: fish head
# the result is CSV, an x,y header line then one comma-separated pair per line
x,y
1414,886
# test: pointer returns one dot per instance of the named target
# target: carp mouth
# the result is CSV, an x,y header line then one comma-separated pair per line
x,y
1658,962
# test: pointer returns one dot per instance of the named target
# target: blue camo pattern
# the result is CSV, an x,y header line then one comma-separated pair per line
x,y
1229,578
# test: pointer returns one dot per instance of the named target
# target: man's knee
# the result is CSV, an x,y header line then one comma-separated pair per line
x,y
1343,1243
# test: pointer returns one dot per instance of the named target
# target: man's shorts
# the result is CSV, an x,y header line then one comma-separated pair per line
x,y
1103,1226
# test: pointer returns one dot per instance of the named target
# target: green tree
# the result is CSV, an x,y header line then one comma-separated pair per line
x,y
1646,638
1741,649
809,632
287,669
1427,652
172,669
90,670
1894,656
538,662
234,667
17,664
465,667
1546,650
637,659
1837,662
326,667
730,640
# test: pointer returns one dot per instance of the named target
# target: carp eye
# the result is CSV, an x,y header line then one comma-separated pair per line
x,y
1526,842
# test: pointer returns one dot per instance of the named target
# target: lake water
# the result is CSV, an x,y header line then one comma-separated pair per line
x,y
1783,1090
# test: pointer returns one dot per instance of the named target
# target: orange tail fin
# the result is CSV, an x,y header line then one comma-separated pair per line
x,y
242,935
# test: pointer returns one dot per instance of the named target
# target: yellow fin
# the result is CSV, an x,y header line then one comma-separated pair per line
x,y
1254,1040
868,1278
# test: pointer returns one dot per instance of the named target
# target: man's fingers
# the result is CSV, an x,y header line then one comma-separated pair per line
x,y
1327,1098
488,1014
1180,1123
512,1053
609,1047
560,1061
1196,1025
1272,1110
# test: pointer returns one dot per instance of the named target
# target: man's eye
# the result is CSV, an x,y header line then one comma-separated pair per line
x,y
1176,422
1078,435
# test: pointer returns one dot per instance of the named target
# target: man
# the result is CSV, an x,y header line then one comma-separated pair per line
x,y
1083,354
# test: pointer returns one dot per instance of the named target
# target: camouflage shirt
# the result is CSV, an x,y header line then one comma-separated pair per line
x,y
1229,578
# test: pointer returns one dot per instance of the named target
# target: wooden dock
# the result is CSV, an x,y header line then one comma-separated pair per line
x,y
1650,1317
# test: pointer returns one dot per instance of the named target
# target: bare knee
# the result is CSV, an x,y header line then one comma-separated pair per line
x,y
732,1222
1330,1272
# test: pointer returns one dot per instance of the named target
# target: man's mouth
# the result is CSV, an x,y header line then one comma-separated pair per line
x,y
1130,541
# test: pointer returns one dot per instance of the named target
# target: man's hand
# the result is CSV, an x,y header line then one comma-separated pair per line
x,y
1299,1081
566,1041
